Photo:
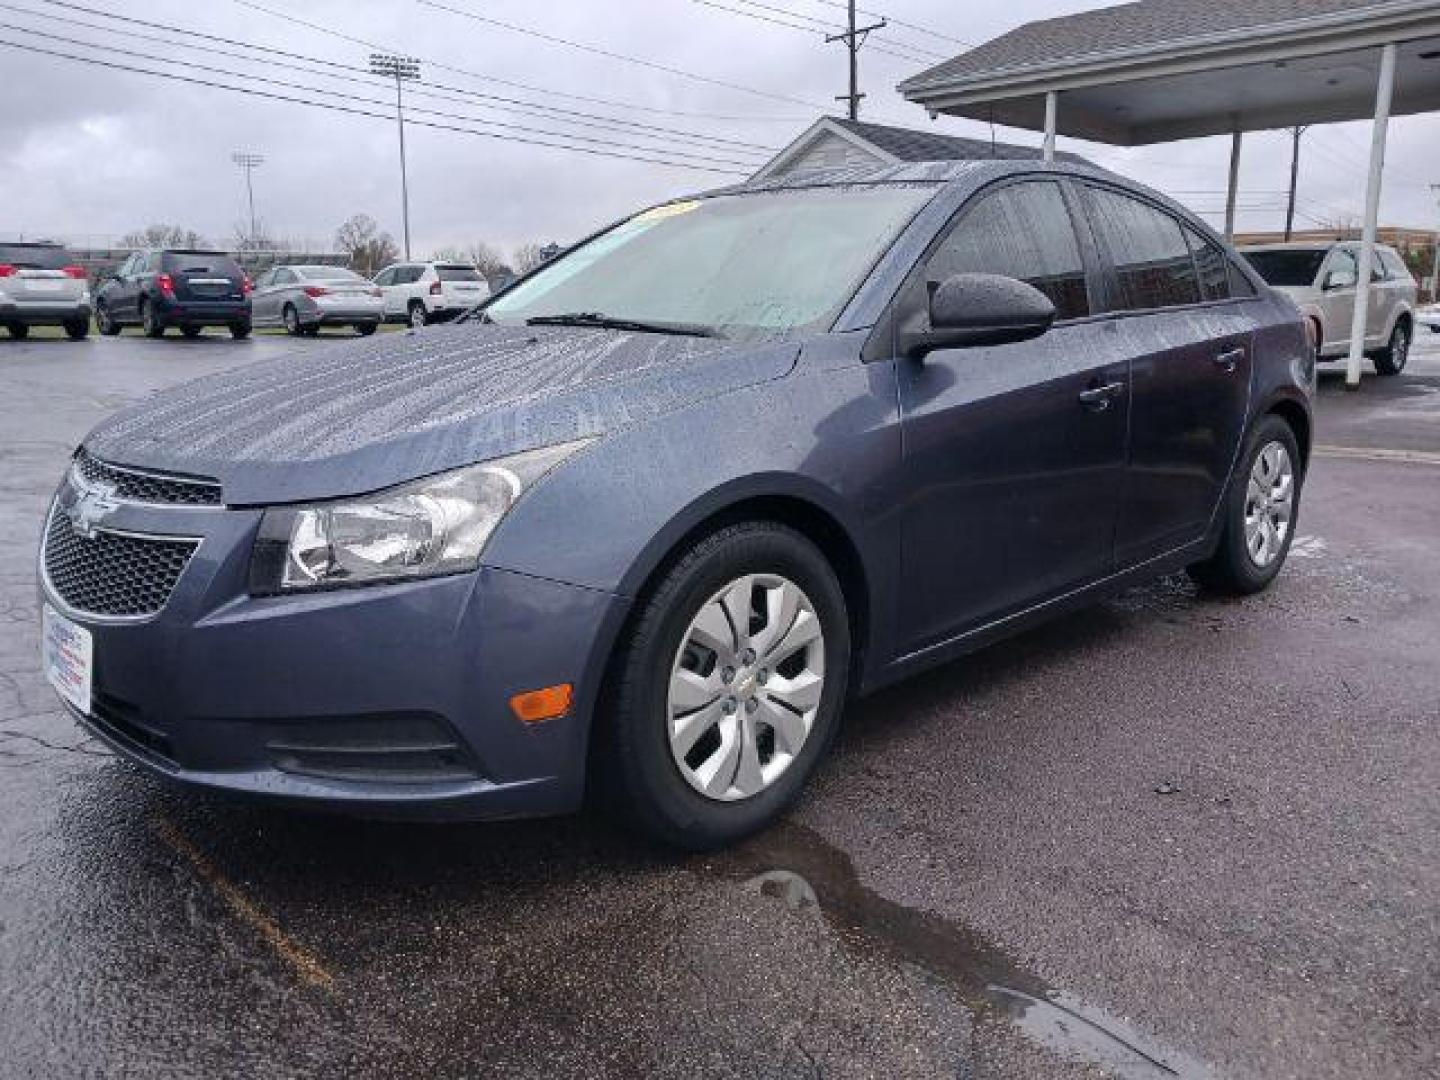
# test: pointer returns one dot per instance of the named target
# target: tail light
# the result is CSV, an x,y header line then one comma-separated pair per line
x,y
75,272
165,282
6,270
246,285
435,288
316,290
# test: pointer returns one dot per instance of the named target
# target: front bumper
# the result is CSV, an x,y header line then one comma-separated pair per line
x,y
337,700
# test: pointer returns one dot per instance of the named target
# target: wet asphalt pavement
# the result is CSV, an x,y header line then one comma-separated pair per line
x,y
1168,835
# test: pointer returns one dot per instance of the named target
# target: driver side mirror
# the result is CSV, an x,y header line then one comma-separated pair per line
x,y
1339,279
980,309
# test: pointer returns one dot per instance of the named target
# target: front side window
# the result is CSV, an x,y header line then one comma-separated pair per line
x,y
1342,265
1021,231
1153,268
750,265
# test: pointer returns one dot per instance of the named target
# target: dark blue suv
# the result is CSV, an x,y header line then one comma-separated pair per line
x,y
175,287
648,519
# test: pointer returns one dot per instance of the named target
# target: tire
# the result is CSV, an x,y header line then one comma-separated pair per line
x,y
152,325
104,323
636,764
416,315
77,329
240,330
1391,360
291,318
365,329
18,330
1232,569
192,331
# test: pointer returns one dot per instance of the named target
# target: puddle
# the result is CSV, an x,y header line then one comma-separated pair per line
x,y
795,867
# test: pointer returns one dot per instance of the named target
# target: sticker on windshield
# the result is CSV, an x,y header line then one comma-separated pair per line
x,y
655,213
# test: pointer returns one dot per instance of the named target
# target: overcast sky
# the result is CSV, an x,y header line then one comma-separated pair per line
x,y
90,152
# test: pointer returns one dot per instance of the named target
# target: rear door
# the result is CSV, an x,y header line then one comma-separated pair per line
x,y
1188,338
461,286
125,301
263,305
1012,463
204,277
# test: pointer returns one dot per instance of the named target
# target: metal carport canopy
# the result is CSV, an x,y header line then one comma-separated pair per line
x,y
1160,70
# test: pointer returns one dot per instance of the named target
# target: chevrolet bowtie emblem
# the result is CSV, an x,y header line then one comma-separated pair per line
x,y
95,503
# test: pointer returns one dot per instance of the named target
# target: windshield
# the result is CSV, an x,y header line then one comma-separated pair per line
x,y
740,265
1288,267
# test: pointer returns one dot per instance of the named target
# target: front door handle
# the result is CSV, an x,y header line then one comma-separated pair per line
x,y
1227,359
1098,398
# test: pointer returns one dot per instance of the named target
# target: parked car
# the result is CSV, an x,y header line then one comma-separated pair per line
x,y
1429,316
1321,278
649,519
304,298
422,293
175,287
43,285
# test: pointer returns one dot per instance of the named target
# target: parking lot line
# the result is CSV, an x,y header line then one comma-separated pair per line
x,y
1363,453
305,964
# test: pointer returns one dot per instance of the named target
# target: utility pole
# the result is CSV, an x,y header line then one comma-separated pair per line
x,y
399,68
1435,258
854,37
1295,133
249,162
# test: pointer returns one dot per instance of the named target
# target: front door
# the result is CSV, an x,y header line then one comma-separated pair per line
x,y
1337,298
1189,342
1013,463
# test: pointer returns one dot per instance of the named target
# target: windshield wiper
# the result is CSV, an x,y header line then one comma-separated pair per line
x,y
607,322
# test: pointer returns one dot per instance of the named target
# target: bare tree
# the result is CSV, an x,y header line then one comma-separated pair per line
x,y
261,241
163,236
527,257
487,260
367,247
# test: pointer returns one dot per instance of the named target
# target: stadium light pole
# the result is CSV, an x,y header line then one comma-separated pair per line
x,y
249,162
399,68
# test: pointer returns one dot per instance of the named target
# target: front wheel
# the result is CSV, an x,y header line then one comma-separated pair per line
x,y
365,329
240,330
417,316
191,331
18,330
104,322
729,689
1260,510
1391,360
77,329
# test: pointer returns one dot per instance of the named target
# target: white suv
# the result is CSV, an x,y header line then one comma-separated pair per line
x,y
421,293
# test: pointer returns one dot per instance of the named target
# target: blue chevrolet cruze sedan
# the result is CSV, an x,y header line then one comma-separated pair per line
x,y
647,520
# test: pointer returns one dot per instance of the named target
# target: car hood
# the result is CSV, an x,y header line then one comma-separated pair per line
x,y
350,419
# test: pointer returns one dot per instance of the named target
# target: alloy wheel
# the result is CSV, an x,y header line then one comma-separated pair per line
x,y
1399,349
1269,504
417,317
745,687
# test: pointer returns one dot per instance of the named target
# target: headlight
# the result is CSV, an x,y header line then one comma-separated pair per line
x,y
438,525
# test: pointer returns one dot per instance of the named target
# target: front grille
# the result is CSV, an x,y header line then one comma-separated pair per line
x,y
137,486
112,573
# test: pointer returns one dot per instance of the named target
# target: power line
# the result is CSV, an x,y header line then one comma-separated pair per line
x,y
333,107
624,58
821,28
895,22
346,96
515,105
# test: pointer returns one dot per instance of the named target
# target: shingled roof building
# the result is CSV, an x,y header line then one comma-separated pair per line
x,y
1159,70
835,143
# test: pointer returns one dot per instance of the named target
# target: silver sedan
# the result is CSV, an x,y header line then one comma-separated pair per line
x,y
304,298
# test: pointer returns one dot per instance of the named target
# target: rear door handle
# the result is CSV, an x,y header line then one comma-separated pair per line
x,y
1098,398
1227,359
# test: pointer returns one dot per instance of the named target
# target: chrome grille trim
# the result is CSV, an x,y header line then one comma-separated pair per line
x,y
144,487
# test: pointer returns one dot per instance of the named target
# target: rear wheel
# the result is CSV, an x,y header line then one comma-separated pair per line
x,y
729,688
417,317
1391,360
365,329
18,330
104,322
240,330
1260,511
150,320
291,318
191,331
78,329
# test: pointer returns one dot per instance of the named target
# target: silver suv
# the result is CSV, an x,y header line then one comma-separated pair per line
x,y
1321,278
43,285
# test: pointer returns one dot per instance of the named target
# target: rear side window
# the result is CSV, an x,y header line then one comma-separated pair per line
x,y
457,273
1153,268
34,256
1022,231
408,275
1211,265
1287,266
1394,265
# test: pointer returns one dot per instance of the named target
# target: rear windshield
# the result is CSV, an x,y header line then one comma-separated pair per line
x,y
327,273
34,257
202,262
457,273
1287,267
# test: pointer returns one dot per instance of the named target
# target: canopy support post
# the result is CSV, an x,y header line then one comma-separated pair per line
x,y
1233,185
1052,108
1384,91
